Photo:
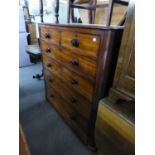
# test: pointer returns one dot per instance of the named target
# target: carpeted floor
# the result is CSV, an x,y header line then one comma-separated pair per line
x,y
46,132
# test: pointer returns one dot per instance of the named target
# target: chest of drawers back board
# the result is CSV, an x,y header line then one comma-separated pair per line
x,y
78,65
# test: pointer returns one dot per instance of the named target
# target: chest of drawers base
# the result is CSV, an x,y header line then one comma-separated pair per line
x,y
78,65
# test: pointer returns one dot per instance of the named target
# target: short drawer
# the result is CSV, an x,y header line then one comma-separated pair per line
x,y
77,101
84,44
49,34
82,85
69,114
72,60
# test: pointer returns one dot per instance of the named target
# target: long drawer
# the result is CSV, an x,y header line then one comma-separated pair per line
x,y
77,101
73,80
69,114
85,44
72,60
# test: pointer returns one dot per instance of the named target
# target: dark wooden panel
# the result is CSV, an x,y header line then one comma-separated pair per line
x,y
125,72
72,60
84,86
131,63
71,116
77,101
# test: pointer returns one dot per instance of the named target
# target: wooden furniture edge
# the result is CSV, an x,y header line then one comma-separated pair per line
x,y
88,26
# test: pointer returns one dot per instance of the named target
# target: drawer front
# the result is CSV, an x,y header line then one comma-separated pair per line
x,y
77,101
74,61
84,44
51,35
73,80
72,117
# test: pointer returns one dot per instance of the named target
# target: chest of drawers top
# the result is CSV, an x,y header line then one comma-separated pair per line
x,y
83,40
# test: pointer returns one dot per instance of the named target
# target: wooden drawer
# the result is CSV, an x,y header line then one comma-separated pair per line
x,y
72,60
76,100
70,115
51,35
84,44
73,80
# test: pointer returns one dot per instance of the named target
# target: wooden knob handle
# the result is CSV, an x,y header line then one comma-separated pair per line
x,y
74,82
47,35
74,62
48,50
74,100
49,65
74,42
51,80
52,95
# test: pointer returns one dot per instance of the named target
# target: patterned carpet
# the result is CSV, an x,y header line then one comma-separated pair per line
x,y
46,132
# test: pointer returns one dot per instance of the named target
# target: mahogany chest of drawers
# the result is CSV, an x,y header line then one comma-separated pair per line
x,y
78,65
